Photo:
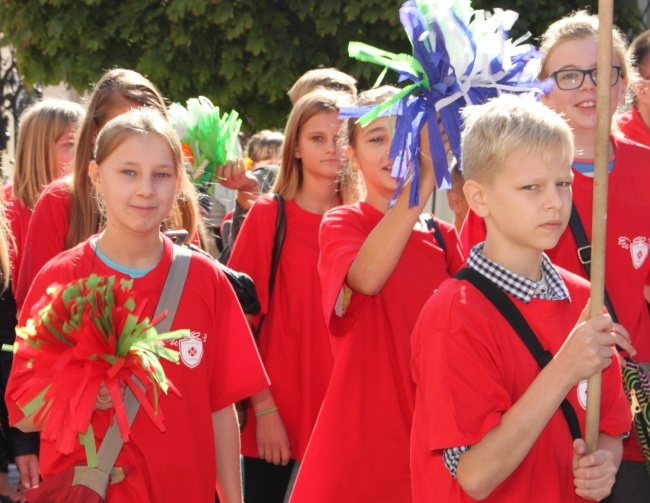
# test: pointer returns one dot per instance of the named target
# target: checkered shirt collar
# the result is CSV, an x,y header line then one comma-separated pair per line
x,y
552,286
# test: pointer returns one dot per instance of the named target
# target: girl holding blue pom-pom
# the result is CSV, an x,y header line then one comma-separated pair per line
x,y
378,266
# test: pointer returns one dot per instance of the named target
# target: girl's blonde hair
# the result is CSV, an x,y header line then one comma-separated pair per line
x,y
290,177
41,126
348,135
144,121
577,26
117,88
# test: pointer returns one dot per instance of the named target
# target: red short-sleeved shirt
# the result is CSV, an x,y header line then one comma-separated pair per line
x,y
294,342
18,217
359,450
627,247
46,235
470,367
632,126
178,464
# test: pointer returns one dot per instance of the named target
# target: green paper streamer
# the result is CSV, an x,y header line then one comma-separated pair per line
x,y
88,441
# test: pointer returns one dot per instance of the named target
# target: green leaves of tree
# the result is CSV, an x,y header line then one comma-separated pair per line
x,y
242,54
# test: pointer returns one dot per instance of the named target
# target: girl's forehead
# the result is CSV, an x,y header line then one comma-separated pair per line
x,y
378,124
576,52
330,118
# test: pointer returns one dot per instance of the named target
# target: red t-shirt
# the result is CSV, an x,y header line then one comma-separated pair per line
x,y
178,464
470,367
294,342
359,450
46,235
632,126
18,217
627,244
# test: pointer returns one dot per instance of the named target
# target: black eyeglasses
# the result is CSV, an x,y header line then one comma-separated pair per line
x,y
573,78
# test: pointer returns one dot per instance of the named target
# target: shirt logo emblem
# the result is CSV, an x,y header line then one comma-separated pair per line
x,y
191,350
582,394
638,249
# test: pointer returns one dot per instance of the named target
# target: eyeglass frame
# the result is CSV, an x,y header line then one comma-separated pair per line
x,y
584,73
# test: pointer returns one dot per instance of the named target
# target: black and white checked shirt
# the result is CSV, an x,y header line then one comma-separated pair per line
x,y
551,287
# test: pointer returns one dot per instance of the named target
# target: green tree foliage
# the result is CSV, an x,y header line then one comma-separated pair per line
x,y
242,54
536,15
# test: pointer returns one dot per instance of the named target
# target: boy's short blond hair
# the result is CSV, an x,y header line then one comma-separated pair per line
x,y
323,78
505,125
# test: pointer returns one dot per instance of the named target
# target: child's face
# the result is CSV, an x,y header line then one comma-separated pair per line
x,y
579,105
317,146
370,155
138,181
64,152
528,203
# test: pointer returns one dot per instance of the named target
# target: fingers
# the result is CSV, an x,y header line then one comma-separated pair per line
x,y
584,315
103,401
28,469
285,454
443,134
594,474
425,147
33,470
272,440
276,454
231,173
623,339
588,349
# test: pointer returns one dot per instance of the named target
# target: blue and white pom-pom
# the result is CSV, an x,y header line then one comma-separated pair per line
x,y
460,57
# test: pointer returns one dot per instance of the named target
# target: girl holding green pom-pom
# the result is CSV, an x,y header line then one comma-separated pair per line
x,y
138,174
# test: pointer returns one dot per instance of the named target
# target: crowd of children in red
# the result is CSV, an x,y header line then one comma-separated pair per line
x,y
381,370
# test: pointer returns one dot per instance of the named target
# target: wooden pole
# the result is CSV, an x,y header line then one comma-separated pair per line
x,y
599,223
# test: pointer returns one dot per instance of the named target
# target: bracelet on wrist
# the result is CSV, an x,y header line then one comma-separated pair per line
x,y
264,412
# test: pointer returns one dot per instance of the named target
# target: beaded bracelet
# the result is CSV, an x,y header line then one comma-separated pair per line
x,y
264,412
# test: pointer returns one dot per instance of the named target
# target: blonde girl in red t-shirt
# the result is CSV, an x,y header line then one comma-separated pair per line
x,y
44,153
293,339
67,214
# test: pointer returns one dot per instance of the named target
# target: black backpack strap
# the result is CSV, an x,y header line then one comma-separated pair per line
x,y
517,321
426,219
241,283
278,242
584,253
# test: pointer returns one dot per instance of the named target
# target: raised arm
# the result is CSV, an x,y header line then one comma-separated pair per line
x,y
383,248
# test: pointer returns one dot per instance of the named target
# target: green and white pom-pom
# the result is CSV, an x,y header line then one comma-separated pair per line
x,y
212,138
